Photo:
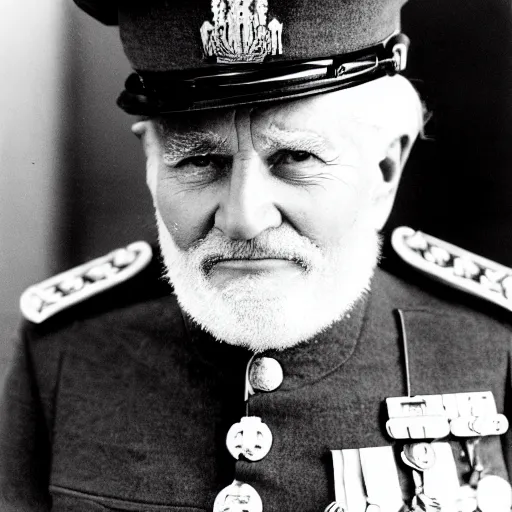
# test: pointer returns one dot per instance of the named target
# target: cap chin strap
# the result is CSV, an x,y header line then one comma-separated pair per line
x,y
153,93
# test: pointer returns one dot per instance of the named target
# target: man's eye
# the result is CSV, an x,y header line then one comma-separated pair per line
x,y
201,169
288,160
300,156
203,163
296,167
291,157
198,161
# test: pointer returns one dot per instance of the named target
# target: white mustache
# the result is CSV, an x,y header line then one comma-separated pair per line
x,y
277,243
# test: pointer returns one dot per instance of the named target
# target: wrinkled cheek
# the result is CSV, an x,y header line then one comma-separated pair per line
x,y
184,214
338,217
360,217
169,205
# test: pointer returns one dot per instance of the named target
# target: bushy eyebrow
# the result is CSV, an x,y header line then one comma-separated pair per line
x,y
275,138
178,146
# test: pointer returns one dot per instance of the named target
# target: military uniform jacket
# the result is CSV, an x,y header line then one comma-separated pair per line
x,y
122,404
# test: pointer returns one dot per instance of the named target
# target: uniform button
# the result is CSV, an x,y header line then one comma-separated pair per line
x,y
250,438
238,497
265,374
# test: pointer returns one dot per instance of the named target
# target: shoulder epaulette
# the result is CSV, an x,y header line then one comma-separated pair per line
x,y
455,266
43,300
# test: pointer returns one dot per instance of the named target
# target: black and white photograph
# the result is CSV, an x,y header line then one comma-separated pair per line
x,y
255,255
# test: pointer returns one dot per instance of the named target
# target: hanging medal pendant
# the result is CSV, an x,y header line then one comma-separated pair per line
x,y
477,468
493,494
490,493
238,497
466,498
420,457
250,438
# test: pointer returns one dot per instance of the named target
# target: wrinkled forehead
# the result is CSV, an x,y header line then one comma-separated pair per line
x,y
327,116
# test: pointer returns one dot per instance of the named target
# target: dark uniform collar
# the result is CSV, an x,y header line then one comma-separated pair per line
x,y
302,364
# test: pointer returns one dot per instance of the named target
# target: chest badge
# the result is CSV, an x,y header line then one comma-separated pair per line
x,y
436,416
238,497
240,33
250,438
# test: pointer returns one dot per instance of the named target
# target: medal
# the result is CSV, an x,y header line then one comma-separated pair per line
x,y
365,480
420,457
493,494
470,416
466,499
250,437
238,497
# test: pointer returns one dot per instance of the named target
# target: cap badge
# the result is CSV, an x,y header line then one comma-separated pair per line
x,y
240,33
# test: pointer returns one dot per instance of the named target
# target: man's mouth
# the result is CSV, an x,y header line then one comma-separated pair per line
x,y
251,265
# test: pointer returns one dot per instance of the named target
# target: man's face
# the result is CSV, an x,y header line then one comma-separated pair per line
x,y
268,216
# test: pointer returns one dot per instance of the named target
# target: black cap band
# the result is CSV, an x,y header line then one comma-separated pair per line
x,y
165,92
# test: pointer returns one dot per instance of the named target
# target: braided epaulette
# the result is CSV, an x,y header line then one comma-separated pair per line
x,y
455,266
43,300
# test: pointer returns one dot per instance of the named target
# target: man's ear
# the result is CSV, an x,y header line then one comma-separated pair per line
x,y
146,131
391,167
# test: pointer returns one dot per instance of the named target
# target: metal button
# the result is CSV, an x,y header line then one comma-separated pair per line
x,y
238,497
265,374
250,438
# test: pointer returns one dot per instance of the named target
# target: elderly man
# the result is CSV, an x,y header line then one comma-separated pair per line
x,y
264,362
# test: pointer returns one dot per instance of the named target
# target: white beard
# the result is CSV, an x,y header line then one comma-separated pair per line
x,y
260,312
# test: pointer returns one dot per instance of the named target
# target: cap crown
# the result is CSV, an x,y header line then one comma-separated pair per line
x,y
171,35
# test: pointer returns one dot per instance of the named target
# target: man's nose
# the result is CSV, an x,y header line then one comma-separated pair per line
x,y
247,207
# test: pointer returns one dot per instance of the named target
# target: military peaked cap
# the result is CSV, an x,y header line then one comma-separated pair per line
x,y
197,54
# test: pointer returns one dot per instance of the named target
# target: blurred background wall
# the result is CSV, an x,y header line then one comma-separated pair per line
x,y
32,101
458,186
105,203
72,175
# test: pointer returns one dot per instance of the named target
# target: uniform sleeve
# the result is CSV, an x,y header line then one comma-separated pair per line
x,y
24,439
